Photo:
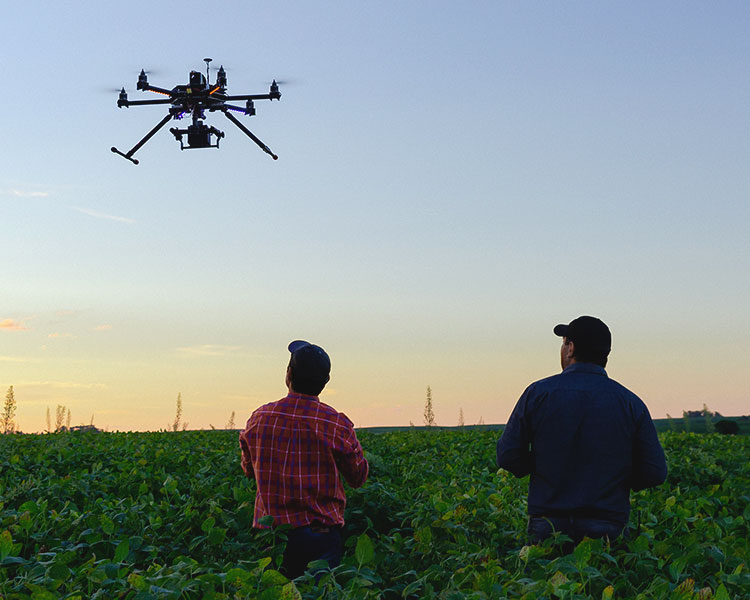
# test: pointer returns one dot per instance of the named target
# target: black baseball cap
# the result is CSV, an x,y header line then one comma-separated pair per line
x,y
589,334
309,361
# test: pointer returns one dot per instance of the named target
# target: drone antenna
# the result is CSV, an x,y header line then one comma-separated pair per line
x,y
207,60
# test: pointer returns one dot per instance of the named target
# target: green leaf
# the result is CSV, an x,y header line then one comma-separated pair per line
x,y
266,521
138,582
6,543
290,592
582,554
423,536
608,592
721,593
208,524
271,577
237,577
677,567
108,525
216,535
122,551
365,550
58,572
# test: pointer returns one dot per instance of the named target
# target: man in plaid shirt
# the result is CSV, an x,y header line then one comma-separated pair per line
x,y
295,449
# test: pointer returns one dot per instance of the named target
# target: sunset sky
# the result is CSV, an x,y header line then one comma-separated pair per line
x,y
454,179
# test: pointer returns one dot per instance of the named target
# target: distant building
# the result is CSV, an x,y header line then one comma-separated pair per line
x,y
82,428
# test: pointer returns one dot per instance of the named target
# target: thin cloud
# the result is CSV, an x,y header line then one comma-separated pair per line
x,y
15,359
208,350
62,385
25,194
99,215
61,336
102,327
12,325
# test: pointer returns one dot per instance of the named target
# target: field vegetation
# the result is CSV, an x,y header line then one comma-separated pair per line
x,y
168,515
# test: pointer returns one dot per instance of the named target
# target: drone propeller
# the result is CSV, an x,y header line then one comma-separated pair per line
x,y
282,82
156,72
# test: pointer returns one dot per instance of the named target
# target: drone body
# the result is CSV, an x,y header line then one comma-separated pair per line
x,y
194,100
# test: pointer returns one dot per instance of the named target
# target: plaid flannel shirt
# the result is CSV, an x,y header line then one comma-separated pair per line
x,y
295,449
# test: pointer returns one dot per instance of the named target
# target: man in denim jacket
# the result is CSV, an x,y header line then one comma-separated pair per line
x,y
585,440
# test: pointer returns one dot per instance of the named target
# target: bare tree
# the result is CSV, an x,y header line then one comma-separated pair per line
x,y
67,420
178,415
49,422
59,417
7,423
460,417
429,416
230,423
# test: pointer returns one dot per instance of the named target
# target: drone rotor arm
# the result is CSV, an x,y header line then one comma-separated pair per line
x,y
147,137
252,97
249,134
158,90
238,109
144,102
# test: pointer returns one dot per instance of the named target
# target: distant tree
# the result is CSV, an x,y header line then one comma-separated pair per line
x,y
178,416
429,415
7,423
686,420
92,421
672,424
230,423
460,417
49,422
59,417
481,420
709,418
67,420
728,427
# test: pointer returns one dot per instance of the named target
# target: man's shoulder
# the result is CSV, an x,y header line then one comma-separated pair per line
x,y
292,408
546,383
334,415
270,407
626,393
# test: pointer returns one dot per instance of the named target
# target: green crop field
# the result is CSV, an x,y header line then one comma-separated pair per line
x,y
168,515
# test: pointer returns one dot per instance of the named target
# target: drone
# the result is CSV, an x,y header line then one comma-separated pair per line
x,y
193,100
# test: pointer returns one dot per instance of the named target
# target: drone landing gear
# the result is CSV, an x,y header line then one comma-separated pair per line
x,y
147,137
249,134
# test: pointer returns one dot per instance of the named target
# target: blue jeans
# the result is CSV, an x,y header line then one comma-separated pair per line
x,y
313,542
576,528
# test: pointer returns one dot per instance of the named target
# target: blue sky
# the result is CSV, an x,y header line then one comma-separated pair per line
x,y
453,180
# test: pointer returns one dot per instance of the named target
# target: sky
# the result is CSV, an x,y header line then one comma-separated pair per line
x,y
454,179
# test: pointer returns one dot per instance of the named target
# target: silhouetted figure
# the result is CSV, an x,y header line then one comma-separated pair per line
x,y
585,440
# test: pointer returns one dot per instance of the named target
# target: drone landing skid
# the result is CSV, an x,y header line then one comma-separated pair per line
x,y
249,134
116,151
147,137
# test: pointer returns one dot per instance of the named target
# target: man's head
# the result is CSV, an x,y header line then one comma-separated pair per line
x,y
309,368
585,339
